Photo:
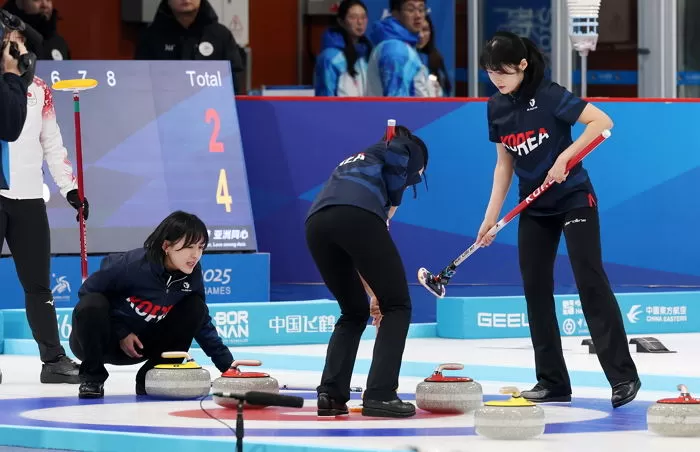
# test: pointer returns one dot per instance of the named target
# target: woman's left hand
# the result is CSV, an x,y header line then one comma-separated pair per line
x,y
557,172
375,312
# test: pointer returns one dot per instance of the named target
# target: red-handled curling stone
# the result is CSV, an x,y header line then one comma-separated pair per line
x,y
236,381
448,394
679,416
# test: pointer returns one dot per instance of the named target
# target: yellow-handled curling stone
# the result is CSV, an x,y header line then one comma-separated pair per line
x,y
236,381
448,394
678,416
515,418
186,380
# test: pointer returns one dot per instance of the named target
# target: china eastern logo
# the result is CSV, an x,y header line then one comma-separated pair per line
x,y
525,142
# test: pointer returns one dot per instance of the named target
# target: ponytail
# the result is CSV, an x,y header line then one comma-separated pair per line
x,y
534,72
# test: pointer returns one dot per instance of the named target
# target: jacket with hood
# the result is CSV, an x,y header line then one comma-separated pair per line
x,y
141,293
206,39
331,76
374,180
395,69
54,47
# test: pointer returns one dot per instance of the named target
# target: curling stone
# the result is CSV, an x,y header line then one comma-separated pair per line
x,y
515,418
441,394
186,380
675,417
236,381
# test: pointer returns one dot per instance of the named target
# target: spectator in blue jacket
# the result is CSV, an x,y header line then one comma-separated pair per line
x,y
341,67
144,302
395,69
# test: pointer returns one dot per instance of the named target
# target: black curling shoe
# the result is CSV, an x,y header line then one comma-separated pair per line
x,y
391,408
327,406
91,390
623,393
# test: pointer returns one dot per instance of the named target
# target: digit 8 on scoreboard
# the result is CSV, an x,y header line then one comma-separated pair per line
x,y
222,194
110,77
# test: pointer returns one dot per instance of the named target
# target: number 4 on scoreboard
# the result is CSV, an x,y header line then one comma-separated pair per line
x,y
222,196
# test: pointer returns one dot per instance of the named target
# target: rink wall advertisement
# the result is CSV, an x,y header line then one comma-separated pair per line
x,y
504,317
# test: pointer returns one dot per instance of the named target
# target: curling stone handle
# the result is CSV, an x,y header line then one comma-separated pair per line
x,y
512,390
449,366
175,355
245,362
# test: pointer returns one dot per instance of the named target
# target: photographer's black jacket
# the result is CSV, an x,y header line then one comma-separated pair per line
x,y
13,113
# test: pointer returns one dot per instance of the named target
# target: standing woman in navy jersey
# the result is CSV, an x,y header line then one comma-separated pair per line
x,y
530,120
347,236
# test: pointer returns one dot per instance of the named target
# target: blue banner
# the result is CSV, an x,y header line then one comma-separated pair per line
x,y
228,278
506,317
642,196
292,322
442,13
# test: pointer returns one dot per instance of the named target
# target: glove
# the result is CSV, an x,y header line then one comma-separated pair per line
x,y
73,199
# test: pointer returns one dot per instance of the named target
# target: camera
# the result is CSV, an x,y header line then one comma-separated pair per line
x,y
26,63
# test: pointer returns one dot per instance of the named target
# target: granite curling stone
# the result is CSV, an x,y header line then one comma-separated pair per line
x,y
515,418
238,382
441,394
186,380
675,417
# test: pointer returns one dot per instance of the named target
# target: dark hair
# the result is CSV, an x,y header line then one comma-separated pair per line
x,y
508,49
436,63
350,51
403,131
395,5
174,227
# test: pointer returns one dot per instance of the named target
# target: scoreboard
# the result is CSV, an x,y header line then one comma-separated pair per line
x,y
158,136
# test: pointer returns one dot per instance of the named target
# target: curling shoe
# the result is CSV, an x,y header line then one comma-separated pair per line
x,y
327,406
540,394
389,408
624,393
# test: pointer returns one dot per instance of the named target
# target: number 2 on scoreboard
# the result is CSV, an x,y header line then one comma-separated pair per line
x,y
214,144
222,195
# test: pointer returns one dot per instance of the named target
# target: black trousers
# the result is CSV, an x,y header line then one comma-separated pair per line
x,y
344,240
25,226
538,240
94,342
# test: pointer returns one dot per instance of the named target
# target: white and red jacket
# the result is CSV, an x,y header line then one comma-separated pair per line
x,y
40,140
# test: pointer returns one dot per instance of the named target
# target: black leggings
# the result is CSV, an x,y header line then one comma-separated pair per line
x,y
344,240
538,240
95,343
25,226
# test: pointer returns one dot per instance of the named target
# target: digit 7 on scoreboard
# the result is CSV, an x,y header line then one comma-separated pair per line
x,y
222,195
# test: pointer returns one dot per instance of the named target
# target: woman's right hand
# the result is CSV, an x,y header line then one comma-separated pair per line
x,y
482,236
9,63
129,344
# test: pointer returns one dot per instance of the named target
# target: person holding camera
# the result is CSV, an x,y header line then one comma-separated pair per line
x,y
28,135
13,95
24,222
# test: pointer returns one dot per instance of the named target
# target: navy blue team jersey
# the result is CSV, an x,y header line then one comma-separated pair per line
x,y
535,132
375,179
